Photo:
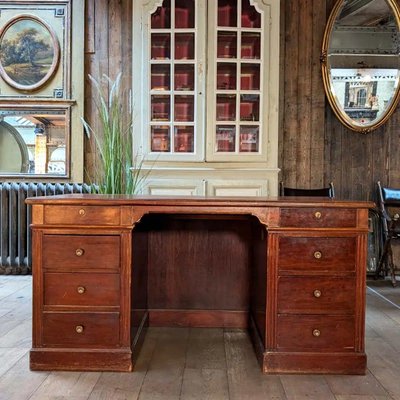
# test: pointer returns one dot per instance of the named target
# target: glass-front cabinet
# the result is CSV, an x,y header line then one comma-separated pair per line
x,y
205,95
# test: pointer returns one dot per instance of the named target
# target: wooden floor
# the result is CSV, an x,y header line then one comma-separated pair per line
x,y
181,363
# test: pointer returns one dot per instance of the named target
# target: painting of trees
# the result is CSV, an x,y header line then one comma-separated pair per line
x,y
26,51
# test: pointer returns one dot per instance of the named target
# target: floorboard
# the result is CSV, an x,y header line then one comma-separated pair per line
x,y
197,364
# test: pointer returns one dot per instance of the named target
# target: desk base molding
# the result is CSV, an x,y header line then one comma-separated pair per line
x,y
314,363
119,360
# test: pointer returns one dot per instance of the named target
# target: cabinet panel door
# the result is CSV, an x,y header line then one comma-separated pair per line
x,y
174,187
237,188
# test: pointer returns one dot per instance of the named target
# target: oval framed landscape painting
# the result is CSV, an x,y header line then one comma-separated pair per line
x,y
29,52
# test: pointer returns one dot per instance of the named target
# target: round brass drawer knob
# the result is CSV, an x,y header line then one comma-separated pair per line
x,y
318,215
317,293
82,212
317,255
79,252
81,289
316,333
79,329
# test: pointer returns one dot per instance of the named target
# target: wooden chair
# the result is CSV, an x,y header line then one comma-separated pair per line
x,y
322,192
388,202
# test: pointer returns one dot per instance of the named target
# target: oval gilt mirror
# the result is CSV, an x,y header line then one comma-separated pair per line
x,y
361,62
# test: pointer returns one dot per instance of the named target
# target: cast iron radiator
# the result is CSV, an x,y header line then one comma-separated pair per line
x,y
15,218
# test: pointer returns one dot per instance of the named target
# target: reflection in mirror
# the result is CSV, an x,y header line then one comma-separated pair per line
x,y
33,143
361,62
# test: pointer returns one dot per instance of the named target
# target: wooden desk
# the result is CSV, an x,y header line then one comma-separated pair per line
x,y
292,270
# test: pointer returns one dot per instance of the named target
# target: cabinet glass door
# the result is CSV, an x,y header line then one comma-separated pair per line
x,y
235,79
173,79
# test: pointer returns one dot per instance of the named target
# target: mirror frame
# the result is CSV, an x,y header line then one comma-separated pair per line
x,y
339,112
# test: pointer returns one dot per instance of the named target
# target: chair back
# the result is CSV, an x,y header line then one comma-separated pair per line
x,y
388,197
322,192
389,205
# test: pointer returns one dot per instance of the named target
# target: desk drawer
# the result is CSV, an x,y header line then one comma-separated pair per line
x,y
315,333
81,329
316,295
318,218
81,289
317,253
81,215
81,251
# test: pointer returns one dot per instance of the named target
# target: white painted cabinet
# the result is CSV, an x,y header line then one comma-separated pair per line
x,y
205,95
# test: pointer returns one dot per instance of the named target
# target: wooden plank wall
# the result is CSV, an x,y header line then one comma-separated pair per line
x,y
314,147
108,51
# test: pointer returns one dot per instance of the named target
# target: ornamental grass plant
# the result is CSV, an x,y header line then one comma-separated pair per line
x,y
117,169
